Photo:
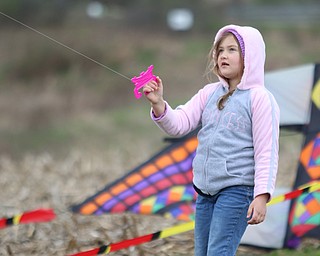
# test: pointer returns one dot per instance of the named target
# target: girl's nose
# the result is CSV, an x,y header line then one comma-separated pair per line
x,y
223,56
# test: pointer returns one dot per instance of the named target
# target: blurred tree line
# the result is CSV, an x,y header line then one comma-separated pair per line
x,y
209,14
136,12
31,11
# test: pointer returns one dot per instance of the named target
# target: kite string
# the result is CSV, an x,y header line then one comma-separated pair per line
x,y
63,45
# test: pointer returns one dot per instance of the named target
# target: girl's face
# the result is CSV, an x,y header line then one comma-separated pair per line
x,y
230,61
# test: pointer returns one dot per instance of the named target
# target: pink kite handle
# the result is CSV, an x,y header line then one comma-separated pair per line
x,y
144,78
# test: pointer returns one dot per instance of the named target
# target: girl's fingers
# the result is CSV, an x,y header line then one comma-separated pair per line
x,y
249,213
148,89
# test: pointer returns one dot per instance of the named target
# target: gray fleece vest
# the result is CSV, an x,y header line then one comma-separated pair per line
x,y
225,154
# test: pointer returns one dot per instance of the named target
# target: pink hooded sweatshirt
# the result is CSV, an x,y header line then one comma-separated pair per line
x,y
238,145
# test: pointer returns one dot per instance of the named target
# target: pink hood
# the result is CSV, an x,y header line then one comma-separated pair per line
x,y
254,60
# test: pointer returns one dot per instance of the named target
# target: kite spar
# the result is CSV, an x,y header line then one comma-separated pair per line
x,y
39,215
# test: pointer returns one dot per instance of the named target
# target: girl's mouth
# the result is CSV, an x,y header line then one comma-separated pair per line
x,y
223,64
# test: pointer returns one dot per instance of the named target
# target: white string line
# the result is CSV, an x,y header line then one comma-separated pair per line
x,y
63,45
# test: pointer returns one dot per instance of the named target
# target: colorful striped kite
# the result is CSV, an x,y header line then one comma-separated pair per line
x,y
304,216
162,185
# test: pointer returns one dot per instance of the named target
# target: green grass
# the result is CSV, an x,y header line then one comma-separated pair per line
x,y
305,252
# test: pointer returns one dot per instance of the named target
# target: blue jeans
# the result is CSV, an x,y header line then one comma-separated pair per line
x,y
221,220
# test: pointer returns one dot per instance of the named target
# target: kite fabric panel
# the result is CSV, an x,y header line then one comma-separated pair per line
x,y
304,216
162,185
291,88
271,233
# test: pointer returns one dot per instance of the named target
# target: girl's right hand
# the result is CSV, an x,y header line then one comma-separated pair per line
x,y
154,91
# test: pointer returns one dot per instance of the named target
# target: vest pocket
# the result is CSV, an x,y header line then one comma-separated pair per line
x,y
219,171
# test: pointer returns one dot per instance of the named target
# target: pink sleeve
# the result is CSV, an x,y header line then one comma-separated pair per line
x,y
155,118
185,118
265,131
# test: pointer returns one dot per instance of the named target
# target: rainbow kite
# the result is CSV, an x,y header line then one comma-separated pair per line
x,y
162,185
304,216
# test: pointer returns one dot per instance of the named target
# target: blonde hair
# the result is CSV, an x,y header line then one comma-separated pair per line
x,y
213,68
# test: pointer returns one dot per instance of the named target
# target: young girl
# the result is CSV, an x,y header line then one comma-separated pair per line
x,y
235,166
